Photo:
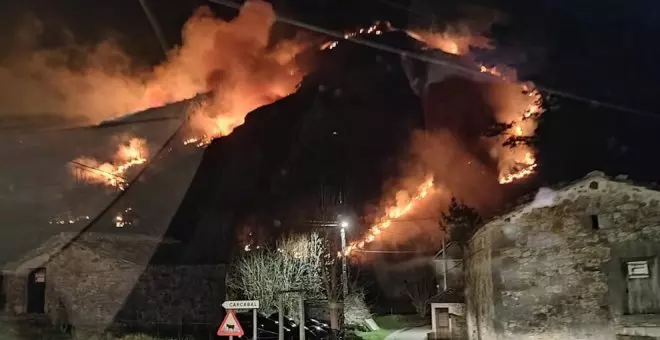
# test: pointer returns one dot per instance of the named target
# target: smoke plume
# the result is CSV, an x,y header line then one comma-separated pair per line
x,y
459,171
83,83
476,138
234,60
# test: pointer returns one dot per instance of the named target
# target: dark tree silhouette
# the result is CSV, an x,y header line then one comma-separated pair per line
x,y
461,221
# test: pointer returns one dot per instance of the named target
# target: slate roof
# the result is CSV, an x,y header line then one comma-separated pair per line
x,y
137,249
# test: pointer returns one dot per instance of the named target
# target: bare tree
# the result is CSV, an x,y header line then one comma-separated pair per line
x,y
420,292
295,264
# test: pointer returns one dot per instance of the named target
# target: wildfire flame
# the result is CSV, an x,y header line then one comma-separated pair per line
x,y
518,161
527,168
457,43
233,61
248,72
128,155
391,214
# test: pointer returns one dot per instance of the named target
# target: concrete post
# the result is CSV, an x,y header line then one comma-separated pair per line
x,y
280,318
301,323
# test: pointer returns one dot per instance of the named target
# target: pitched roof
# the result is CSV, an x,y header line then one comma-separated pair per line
x,y
136,249
32,196
592,182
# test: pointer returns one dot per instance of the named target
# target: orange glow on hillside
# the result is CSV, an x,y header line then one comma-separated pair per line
x,y
392,213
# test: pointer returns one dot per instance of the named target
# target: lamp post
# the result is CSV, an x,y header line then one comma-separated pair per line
x,y
344,271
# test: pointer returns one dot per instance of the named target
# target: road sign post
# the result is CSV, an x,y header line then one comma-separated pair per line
x,y
230,306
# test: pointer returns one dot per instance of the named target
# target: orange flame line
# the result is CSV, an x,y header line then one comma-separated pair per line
x,y
392,213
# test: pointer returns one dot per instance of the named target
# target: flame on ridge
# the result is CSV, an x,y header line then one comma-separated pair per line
x,y
391,214
518,161
112,174
377,28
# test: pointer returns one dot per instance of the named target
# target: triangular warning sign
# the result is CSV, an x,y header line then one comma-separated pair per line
x,y
230,325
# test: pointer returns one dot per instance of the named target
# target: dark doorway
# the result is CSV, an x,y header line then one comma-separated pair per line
x,y
36,291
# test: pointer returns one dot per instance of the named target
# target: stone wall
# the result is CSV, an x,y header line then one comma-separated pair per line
x,y
15,290
552,273
88,290
178,295
85,289
479,289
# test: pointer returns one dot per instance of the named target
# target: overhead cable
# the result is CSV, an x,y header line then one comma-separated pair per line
x,y
436,61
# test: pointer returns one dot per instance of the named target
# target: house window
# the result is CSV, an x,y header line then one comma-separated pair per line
x,y
595,222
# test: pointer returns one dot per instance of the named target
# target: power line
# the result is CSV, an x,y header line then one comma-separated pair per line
x,y
424,58
103,125
155,26
97,170
541,88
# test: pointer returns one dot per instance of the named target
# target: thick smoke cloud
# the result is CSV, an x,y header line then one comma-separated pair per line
x,y
70,82
459,171
100,82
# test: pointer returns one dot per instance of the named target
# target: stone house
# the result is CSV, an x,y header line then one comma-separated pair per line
x,y
579,262
106,279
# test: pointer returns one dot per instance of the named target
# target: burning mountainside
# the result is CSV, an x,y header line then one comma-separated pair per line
x,y
516,105
239,65
405,204
234,61
240,69
456,167
225,58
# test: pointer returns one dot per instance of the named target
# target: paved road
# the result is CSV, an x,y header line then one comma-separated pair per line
x,y
417,333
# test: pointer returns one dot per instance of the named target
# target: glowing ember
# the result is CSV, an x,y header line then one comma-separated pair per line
x,y
128,155
376,29
502,72
392,213
122,219
68,220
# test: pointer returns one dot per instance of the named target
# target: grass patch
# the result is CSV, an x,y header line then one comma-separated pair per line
x,y
394,322
388,324
375,335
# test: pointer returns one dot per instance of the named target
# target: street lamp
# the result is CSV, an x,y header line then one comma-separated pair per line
x,y
343,225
